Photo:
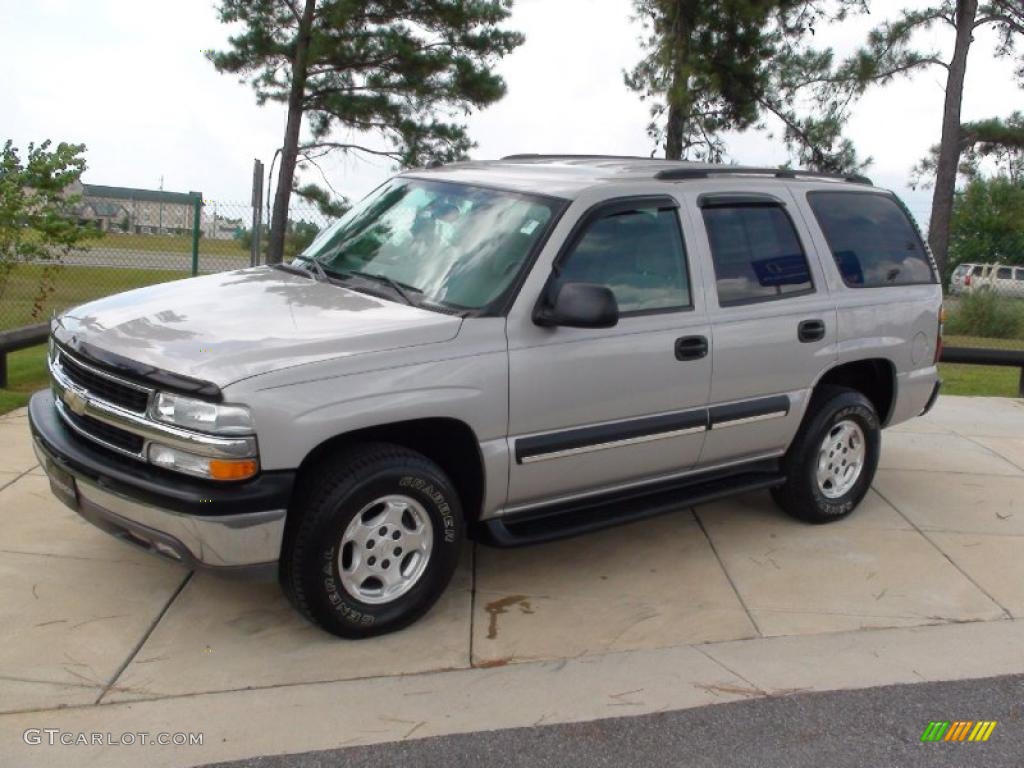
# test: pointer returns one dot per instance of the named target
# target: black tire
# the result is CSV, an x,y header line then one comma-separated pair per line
x,y
800,496
336,490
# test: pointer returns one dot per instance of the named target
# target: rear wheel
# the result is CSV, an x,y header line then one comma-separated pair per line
x,y
832,461
375,542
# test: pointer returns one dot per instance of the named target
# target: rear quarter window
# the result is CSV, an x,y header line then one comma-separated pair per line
x,y
872,239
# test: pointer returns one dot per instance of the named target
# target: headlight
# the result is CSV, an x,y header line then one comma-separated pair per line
x,y
201,466
202,416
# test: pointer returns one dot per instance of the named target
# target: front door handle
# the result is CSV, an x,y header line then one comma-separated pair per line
x,y
691,348
811,330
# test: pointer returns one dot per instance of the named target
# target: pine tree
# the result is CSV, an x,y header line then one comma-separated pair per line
x,y
711,67
890,48
405,70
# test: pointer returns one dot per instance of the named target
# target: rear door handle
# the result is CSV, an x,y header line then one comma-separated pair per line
x,y
691,348
811,330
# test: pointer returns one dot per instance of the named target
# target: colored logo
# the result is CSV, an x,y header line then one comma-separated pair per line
x,y
958,730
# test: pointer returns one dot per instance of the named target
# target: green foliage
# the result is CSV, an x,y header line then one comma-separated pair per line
x,y
37,222
890,50
988,223
330,206
712,67
984,313
402,69
996,139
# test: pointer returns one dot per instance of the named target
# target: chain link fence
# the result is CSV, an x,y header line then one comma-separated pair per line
x,y
142,242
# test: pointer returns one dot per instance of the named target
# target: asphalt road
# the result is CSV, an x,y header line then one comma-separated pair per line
x,y
876,727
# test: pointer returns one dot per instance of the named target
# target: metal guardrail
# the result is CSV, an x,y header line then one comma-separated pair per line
x,y
1012,358
19,338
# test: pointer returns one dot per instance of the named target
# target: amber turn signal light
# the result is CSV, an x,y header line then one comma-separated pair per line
x,y
240,469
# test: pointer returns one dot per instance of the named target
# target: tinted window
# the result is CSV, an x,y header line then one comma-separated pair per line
x,y
1004,273
872,240
756,254
638,254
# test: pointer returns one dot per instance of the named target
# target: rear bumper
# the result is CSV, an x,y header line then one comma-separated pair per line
x,y
234,529
931,400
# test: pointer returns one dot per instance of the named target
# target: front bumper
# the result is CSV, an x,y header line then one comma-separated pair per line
x,y
236,529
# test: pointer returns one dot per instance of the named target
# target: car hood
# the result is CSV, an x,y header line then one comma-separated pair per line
x,y
230,326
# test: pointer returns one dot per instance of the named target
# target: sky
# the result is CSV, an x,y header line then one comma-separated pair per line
x,y
128,78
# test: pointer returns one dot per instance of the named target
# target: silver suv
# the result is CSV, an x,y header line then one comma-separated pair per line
x,y
515,351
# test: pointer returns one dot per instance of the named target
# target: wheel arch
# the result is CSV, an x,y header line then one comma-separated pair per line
x,y
450,443
873,377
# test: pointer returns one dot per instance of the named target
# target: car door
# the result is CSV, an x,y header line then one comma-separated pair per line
x,y
773,319
593,409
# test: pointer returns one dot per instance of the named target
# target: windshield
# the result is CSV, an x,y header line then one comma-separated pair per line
x,y
448,244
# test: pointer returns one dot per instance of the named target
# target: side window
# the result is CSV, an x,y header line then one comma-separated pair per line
x,y
1004,273
639,254
756,253
872,240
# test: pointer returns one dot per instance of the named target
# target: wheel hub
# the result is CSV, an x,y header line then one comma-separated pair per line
x,y
385,549
841,459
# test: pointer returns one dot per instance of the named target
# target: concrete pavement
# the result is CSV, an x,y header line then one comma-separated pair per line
x,y
724,602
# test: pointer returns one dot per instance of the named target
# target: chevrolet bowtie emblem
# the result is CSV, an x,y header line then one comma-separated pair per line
x,y
74,401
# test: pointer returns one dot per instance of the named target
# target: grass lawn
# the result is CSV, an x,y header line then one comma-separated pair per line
x,y
73,285
167,244
990,381
26,373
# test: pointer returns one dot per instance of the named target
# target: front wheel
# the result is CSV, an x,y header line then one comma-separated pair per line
x,y
833,459
375,542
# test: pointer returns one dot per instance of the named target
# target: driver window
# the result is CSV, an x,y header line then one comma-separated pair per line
x,y
639,255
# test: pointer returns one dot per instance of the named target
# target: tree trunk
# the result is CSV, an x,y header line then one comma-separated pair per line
x,y
290,148
949,149
678,96
674,133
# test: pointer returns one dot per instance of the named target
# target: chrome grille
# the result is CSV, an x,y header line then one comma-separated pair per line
x,y
107,387
104,434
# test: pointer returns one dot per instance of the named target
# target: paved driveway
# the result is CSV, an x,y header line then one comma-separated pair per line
x,y
717,603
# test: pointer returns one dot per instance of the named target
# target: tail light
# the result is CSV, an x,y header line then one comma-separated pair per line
x,y
938,336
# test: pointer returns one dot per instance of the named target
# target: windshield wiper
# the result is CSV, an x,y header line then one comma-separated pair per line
x,y
317,272
400,288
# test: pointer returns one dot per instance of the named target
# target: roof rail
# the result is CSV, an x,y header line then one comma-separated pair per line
x,y
681,174
536,156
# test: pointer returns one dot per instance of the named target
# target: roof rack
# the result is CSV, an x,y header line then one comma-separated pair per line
x,y
536,156
681,174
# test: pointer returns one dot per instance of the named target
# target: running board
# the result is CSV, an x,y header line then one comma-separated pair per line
x,y
573,518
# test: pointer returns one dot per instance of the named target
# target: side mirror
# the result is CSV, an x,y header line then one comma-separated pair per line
x,y
579,305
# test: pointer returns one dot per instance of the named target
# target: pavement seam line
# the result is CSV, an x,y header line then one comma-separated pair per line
x,y
145,636
924,535
9,483
728,576
996,454
731,671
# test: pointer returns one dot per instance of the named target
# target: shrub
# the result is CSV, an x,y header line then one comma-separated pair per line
x,y
984,313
